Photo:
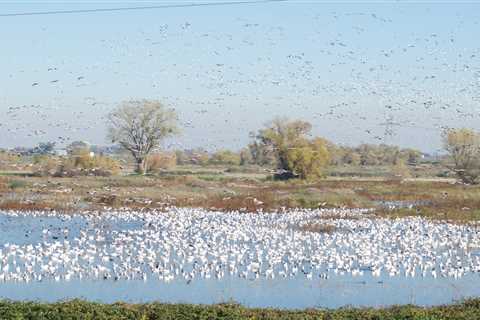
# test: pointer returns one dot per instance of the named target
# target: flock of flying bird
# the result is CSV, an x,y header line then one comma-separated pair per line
x,y
420,83
187,244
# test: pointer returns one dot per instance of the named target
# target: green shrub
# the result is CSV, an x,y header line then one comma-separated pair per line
x,y
17,184
77,309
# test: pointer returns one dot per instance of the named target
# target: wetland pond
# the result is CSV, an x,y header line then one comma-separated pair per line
x,y
293,259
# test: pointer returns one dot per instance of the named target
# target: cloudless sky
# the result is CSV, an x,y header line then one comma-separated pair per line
x,y
393,72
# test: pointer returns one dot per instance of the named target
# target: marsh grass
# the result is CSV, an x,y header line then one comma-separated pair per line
x,y
441,199
318,228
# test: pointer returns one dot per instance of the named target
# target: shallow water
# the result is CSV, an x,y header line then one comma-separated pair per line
x,y
282,293
295,291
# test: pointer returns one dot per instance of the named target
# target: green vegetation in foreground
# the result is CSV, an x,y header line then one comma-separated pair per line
x,y
76,309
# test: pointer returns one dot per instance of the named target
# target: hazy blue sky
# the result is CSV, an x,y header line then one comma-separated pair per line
x,y
348,68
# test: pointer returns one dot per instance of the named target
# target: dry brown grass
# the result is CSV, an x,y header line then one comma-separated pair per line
x,y
29,206
3,184
250,202
161,161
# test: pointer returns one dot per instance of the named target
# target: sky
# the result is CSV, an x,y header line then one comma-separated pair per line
x,y
379,72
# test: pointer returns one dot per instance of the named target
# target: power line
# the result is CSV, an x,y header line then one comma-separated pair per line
x,y
190,5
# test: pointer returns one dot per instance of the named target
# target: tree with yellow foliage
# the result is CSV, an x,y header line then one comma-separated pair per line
x,y
309,159
295,155
463,146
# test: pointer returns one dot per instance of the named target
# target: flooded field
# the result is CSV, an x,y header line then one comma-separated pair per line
x,y
293,259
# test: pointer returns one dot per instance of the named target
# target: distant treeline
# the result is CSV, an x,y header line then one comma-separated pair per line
x,y
254,154
364,155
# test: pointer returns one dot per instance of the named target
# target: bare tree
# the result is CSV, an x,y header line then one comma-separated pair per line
x,y
140,126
